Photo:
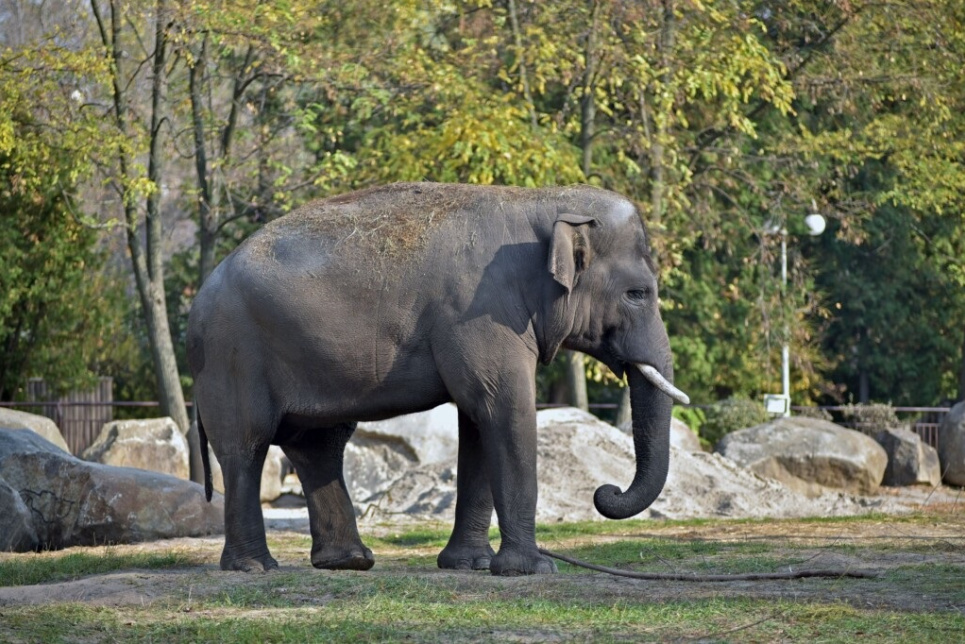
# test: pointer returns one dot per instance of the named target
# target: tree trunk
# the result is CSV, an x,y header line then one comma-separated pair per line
x,y
575,369
961,374
146,259
658,181
521,60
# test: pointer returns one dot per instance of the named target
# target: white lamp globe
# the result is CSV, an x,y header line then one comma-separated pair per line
x,y
815,224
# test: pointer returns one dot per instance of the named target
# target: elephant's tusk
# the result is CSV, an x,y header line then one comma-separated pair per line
x,y
657,380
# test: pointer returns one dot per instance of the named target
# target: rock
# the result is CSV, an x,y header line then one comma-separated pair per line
x,y
371,465
271,475
577,453
381,453
808,454
428,491
41,425
154,444
951,445
426,437
17,532
681,436
75,502
910,460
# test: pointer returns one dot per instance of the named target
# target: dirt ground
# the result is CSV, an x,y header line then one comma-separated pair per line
x,y
936,536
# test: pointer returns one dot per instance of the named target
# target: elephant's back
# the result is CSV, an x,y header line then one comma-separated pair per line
x,y
394,220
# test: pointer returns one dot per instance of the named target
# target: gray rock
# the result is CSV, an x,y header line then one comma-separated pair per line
x,y
910,461
951,445
75,502
808,454
371,465
271,474
681,436
577,453
17,532
41,425
154,444
426,437
381,453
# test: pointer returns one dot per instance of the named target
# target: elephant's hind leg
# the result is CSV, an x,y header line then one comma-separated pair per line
x,y
468,547
318,455
246,547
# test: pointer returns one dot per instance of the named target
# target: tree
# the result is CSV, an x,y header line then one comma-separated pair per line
x,y
114,22
880,130
55,291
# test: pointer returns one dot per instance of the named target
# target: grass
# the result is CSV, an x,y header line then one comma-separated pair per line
x,y
53,567
920,596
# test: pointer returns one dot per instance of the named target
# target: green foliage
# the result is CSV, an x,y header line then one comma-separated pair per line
x,y
717,118
730,415
692,417
57,295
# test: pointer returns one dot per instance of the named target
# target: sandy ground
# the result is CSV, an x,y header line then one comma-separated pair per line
x,y
878,545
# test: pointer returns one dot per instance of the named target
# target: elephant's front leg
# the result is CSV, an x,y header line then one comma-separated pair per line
x,y
505,413
510,447
468,547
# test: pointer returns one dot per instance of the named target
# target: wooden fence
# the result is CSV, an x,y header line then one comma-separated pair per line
x,y
80,415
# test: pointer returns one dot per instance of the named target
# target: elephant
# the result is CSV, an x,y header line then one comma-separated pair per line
x,y
398,298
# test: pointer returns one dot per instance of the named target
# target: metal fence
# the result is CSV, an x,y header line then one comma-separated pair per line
x,y
81,417
924,421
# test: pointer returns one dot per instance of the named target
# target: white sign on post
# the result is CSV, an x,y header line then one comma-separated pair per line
x,y
777,404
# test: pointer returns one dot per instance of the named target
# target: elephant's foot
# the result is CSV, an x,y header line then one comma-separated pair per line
x,y
331,557
513,561
247,563
466,557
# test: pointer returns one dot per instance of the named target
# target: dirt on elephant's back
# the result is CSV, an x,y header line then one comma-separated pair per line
x,y
393,219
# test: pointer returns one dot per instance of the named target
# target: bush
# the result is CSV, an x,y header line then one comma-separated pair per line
x,y
872,418
730,415
814,412
692,417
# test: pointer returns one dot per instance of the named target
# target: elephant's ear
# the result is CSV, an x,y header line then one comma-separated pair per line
x,y
570,251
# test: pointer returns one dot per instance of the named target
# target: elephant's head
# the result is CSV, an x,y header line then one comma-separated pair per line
x,y
610,311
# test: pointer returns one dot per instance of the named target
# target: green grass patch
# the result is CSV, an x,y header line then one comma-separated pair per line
x,y
28,570
385,617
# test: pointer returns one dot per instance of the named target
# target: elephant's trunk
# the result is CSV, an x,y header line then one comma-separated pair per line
x,y
651,437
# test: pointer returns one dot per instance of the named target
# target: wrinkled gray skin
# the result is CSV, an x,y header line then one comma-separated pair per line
x,y
397,299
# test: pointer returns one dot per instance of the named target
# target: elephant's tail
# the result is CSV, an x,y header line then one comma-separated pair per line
x,y
205,459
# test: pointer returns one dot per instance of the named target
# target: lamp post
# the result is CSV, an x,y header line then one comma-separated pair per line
x,y
815,224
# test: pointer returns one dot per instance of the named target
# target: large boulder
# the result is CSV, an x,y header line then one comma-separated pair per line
x,y
910,460
808,455
426,437
577,453
40,425
681,436
154,444
17,532
75,502
382,452
951,445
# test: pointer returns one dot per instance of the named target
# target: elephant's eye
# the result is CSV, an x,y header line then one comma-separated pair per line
x,y
637,295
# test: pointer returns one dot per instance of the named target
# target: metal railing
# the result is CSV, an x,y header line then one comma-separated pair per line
x,y
924,421
80,423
